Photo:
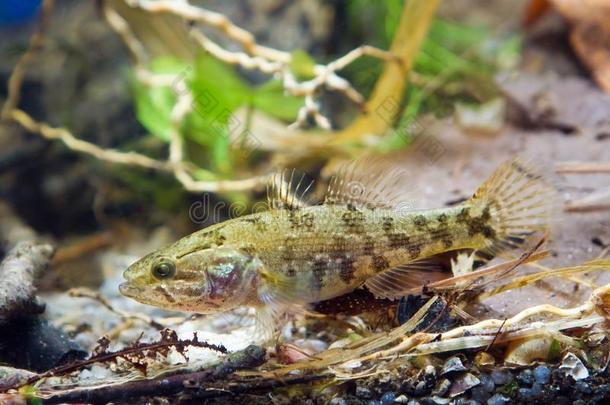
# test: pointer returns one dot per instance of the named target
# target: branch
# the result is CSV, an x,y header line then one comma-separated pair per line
x,y
196,383
583,167
18,271
136,354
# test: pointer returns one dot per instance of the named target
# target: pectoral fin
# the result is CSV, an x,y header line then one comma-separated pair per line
x,y
395,282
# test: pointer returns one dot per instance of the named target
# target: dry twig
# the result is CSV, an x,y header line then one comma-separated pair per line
x,y
137,354
18,271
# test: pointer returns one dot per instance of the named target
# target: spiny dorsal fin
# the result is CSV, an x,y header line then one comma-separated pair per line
x,y
287,190
397,281
369,183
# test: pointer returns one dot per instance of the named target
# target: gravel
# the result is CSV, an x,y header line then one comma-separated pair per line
x,y
498,399
542,374
501,377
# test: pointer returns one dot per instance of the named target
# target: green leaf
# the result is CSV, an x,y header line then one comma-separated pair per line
x,y
554,351
217,92
154,104
217,89
302,65
153,109
270,98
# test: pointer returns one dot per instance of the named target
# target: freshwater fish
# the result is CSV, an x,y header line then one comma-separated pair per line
x,y
361,236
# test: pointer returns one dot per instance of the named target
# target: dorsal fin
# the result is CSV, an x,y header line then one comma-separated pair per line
x,y
287,190
397,281
368,183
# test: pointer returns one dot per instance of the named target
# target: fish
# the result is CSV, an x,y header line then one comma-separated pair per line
x,y
361,236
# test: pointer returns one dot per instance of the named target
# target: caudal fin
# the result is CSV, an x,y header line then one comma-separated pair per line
x,y
519,202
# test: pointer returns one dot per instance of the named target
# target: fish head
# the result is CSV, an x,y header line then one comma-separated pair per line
x,y
204,281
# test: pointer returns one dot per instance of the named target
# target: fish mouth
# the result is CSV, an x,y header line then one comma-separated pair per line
x,y
130,290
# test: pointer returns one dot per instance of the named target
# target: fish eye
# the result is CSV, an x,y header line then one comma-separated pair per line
x,y
163,269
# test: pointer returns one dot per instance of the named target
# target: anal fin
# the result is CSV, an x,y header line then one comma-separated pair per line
x,y
395,282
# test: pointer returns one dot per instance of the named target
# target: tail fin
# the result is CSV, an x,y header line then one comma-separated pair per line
x,y
519,203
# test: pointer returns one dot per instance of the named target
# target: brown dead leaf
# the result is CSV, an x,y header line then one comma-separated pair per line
x,y
590,35
535,10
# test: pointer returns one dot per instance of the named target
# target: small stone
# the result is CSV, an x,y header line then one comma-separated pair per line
x,y
373,402
498,399
526,377
536,389
430,371
603,389
501,377
484,359
464,401
573,366
463,384
542,374
480,394
453,365
413,402
421,389
363,392
402,399
388,398
442,388
487,383
338,401
583,387
526,394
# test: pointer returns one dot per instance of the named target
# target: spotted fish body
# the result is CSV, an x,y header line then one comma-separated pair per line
x,y
334,249
295,255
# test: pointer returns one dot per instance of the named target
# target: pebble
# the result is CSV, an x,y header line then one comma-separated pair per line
x,y
480,394
453,365
421,389
388,398
537,389
463,384
574,367
442,388
526,394
430,371
501,377
542,374
603,389
338,401
402,399
498,399
363,392
526,377
487,383
530,393
463,401
583,387
373,402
